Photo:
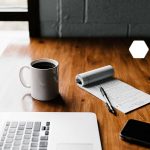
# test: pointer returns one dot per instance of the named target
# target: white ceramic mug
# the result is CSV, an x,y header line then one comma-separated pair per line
x,y
44,79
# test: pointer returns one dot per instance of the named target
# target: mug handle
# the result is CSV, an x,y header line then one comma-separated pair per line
x,y
22,78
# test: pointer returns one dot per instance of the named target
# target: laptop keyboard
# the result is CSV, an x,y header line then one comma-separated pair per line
x,y
25,136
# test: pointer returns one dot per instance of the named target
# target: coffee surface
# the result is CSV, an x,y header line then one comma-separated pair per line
x,y
43,65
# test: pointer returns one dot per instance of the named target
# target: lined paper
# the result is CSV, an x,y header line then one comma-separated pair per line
x,y
123,96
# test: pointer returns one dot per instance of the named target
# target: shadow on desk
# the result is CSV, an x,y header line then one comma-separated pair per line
x,y
31,104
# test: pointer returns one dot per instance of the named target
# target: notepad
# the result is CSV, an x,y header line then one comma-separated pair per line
x,y
123,96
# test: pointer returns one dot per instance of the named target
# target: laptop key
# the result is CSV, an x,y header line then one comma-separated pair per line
x,y
11,135
5,148
43,144
14,124
24,148
15,148
37,126
7,145
47,123
19,132
28,131
12,130
47,128
29,125
27,136
34,144
21,128
1,143
26,141
9,140
35,139
18,137
7,123
22,123
6,128
17,143
36,133
43,128
46,132
44,138
4,133
3,138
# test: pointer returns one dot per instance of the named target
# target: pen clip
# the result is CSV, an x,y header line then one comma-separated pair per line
x,y
102,91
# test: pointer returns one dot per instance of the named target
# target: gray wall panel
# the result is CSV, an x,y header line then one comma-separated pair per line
x,y
48,10
140,30
119,11
72,11
49,29
95,18
94,30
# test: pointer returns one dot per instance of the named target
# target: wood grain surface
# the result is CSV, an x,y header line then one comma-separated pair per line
x,y
77,56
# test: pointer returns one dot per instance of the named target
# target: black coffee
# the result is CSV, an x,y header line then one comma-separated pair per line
x,y
43,65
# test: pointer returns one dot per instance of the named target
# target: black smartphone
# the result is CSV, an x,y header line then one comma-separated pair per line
x,y
136,132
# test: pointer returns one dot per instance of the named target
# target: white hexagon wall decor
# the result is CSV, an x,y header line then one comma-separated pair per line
x,y
138,49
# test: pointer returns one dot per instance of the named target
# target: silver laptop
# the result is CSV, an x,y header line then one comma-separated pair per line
x,y
49,131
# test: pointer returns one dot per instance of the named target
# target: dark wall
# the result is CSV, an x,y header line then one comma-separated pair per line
x,y
96,18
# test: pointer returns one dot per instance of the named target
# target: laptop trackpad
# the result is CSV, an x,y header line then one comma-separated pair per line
x,y
74,146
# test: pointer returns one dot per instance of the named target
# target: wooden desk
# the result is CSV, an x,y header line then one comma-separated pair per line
x,y
76,56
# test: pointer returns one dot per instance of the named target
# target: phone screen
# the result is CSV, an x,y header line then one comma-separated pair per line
x,y
137,131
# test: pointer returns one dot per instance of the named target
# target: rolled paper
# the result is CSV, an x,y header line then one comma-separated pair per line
x,y
95,75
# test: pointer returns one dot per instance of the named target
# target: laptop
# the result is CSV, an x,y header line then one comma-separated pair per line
x,y
49,131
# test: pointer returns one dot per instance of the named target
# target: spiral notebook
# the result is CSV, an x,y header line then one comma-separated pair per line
x,y
123,96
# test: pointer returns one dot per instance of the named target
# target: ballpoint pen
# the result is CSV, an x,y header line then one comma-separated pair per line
x,y
107,101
